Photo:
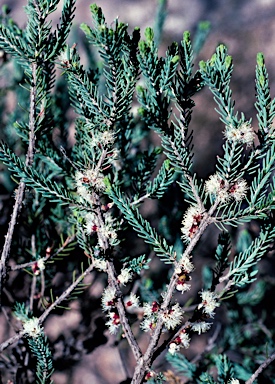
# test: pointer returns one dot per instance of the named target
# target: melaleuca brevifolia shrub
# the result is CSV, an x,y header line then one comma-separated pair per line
x,y
72,206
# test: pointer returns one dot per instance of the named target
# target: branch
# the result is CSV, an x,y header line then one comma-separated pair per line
x,y
12,340
30,263
122,313
260,369
21,189
46,313
145,363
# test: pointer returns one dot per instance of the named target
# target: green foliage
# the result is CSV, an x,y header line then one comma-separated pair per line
x,y
181,365
241,269
44,364
21,311
264,104
224,368
142,226
139,263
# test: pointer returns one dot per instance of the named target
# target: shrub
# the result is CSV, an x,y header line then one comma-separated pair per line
x,y
78,202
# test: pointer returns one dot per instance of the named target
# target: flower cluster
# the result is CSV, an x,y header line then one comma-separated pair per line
x,y
182,340
150,313
191,222
238,190
38,266
101,139
172,317
104,230
209,303
125,276
218,187
100,264
221,189
243,134
186,264
108,298
131,302
113,323
182,269
108,302
88,179
32,327
200,326
149,375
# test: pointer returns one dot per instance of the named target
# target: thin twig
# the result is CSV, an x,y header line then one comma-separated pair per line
x,y
33,286
210,344
144,364
122,313
42,289
21,189
8,238
260,369
46,313
135,202
12,340
30,263
65,294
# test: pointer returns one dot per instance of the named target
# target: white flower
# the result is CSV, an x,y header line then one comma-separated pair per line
x,y
218,187
107,137
214,184
201,327
184,339
114,323
247,133
183,287
79,176
186,264
209,302
108,298
150,313
243,134
96,179
100,264
224,196
83,192
172,317
239,189
125,276
233,381
191,222
148,309
108,232
32,327
131,301
89,177
148,324
173,348
91,223
41,264
178,269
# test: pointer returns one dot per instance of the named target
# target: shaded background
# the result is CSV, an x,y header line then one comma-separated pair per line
x,y
246,27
